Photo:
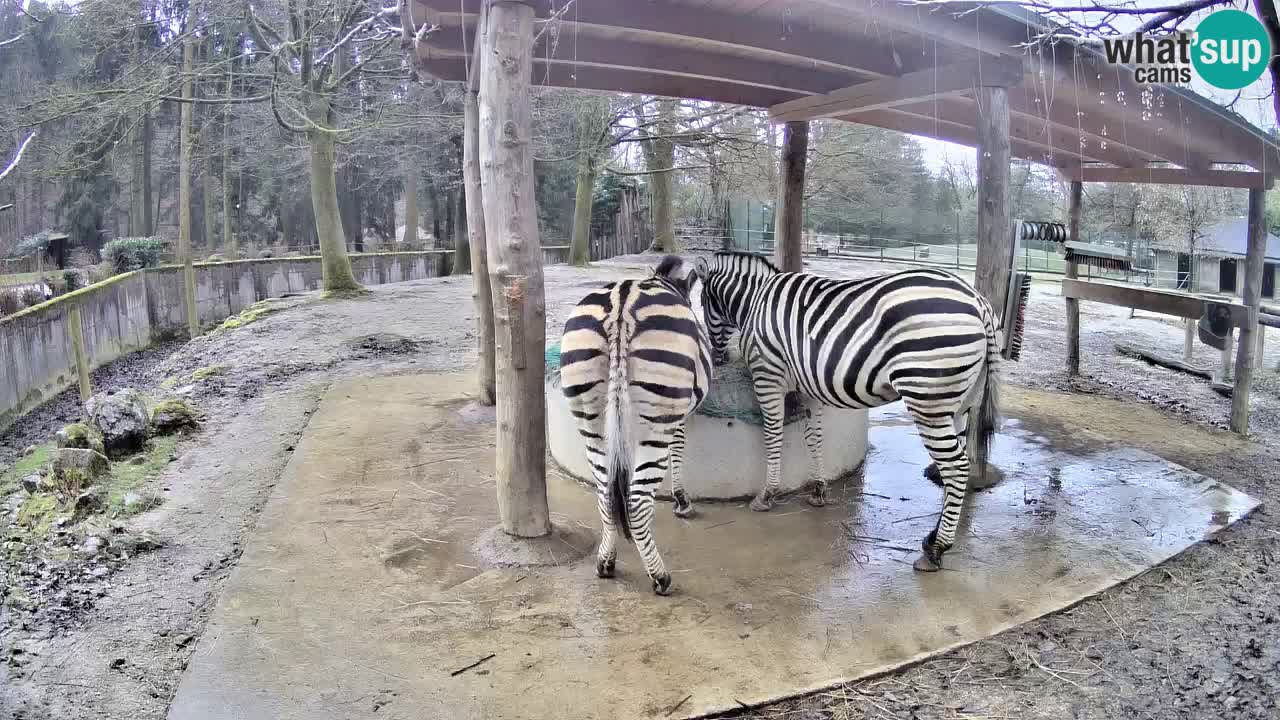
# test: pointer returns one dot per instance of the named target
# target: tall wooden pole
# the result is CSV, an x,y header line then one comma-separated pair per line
x,y
185,151
1254,257
995,243
788,222
1074,203
515,267
481,293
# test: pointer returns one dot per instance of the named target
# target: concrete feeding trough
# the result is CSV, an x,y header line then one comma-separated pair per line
x,y
724,456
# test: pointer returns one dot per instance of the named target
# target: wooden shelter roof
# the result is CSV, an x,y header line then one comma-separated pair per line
x,y
878,62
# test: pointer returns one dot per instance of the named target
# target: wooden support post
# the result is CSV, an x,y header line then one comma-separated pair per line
x,y
1224,375
995,242
1254,258
75,328
1075,200
481,293
515,267
1258,356
1188,342
788,225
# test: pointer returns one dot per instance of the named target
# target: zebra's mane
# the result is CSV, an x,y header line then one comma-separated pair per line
x,y
753,259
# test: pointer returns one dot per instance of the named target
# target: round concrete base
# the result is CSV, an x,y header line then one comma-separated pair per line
x,y
724,457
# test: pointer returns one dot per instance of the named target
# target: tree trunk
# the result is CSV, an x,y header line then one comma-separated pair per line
x,y
450,203
1255,257
324,203
481,293
995,249
515,267
185,143
580,245
461,245
1074,208
662,158
148,219
206,190
789,214
412,220
436,226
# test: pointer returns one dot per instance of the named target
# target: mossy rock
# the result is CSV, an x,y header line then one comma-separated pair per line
x,y
172,415
76,468
80,435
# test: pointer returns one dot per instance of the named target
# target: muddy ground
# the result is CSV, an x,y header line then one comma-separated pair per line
x,y
1196,637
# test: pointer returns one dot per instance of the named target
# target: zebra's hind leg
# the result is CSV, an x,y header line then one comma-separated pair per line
x,y
651,470
813,441
946,448
682,506
591,427
770,394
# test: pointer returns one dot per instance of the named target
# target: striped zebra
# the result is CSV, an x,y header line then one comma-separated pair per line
x,y
634,363
922,336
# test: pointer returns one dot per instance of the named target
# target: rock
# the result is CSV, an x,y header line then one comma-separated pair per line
x,y
89,502
28,450
266,253
32,483
77,468
136,502
93,544
122,419
79,435
172,415
133,544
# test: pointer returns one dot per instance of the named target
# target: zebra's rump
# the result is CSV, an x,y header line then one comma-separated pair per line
x,y
667,356
920,334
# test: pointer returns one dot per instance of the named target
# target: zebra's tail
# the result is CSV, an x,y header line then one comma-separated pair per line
x,y
617,432
982,428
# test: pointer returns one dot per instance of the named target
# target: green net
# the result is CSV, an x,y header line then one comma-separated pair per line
x,y
731,395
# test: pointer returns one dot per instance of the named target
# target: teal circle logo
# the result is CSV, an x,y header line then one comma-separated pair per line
x,y
1231,49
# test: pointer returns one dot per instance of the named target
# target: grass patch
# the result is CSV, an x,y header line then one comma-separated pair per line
x,y
207,372
347,294
38,513
128,476
251,314
24,467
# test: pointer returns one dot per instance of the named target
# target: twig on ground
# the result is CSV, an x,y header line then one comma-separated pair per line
x,y
477,663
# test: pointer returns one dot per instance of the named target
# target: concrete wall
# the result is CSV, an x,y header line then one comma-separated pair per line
x,y
127,312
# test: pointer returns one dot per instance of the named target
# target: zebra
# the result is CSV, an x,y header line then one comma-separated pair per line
x,y
634,363
923,336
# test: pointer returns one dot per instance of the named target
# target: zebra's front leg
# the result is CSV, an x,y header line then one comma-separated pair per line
x,y
813,441
651,469
771,395
682,506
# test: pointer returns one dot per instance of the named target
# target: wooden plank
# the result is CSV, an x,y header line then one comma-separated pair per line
x,y
995,241
1074,205
1163,361
1165,302
902,90
789,223
1252,295
515,269
75,328
1171,176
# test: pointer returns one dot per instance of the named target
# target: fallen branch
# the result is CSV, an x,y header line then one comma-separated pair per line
x,y
477,663
1163,361
17,157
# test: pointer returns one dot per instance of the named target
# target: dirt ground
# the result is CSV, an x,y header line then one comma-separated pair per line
x,y
1196,637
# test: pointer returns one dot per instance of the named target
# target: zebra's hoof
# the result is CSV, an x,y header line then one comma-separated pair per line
x,y
662,584
924,564
687,510
604,568
762,504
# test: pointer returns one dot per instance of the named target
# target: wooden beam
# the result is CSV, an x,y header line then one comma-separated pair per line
x,y
1171,176
1165,302
789,222
515,268
481,290
902,90
995,241
1254,262
1074,207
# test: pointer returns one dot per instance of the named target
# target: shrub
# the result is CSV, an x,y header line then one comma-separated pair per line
x,y
127,254
101,271
9,303
31,244
31,297
71,279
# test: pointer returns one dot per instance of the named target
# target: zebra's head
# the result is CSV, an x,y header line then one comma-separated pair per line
x,y
729,284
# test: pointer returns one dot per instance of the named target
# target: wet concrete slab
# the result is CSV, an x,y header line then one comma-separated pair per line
x,y
374,583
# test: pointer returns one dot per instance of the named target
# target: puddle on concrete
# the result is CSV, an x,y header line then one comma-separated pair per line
x,y
333,601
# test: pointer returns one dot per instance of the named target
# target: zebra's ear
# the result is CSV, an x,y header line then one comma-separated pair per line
x,y
701,267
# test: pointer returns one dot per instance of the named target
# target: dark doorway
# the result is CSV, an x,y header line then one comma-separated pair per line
x,y
1268,280
1227,275
1184,271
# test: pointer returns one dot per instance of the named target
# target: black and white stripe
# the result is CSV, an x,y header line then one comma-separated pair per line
x,y
922,336
634,363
